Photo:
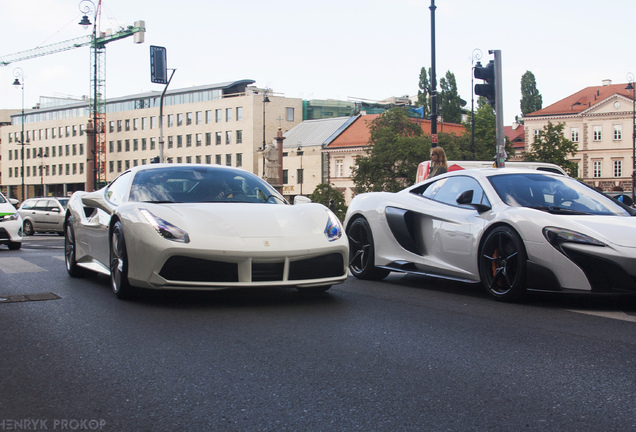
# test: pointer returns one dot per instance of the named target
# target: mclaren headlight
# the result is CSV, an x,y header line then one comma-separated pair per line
x,y
333,230
165,229
558,236
8,217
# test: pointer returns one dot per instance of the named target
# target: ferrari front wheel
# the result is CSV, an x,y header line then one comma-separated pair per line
x,y
362,252
502,264
119,263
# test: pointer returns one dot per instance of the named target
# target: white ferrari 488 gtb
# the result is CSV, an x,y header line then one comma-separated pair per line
x,y
192,226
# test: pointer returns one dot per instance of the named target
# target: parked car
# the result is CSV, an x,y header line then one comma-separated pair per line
x,y
44,214
510,230
192,226
10,225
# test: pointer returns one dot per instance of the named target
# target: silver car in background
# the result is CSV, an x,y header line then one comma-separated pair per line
x,y
44,214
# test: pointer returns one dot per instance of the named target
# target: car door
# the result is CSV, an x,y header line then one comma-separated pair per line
x,y
450,231
51,215
38,215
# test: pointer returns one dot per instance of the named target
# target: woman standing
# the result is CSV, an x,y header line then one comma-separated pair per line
x,y
438,162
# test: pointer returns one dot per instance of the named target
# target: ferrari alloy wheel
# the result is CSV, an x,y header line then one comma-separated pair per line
x,y
502,264
119,263
362,252
27,228
69,251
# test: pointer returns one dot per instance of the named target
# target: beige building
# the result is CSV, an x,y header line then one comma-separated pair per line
x,y
222,124
599,120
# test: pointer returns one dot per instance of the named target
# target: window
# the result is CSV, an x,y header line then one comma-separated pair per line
x,y
285,177
208,138
536,133
239,137
111,128
199,138
208,159
228,114
218,138
218,159
339,167
179,119
188,159
228,159
290,114
68,132
239,113
199,117
135,124
239,159
152,143
208,117
74,131
618,168
170,142
144,123
299,175
179,141
574,134
188,119
111,147
618,132
597,136
153,122
189,140
127,125
446,191
143,144
127,147
228,137
596,169
135,144
170,120
219,116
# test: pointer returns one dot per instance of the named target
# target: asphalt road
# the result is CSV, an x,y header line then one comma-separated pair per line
x,y
407,354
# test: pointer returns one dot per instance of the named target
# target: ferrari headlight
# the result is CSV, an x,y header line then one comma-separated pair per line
x,y
558,236
165,229
333,230
8,217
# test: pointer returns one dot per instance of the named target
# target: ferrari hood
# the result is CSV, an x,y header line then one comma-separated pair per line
x,y
245,220
617,230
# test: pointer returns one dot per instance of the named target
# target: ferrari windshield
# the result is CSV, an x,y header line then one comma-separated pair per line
x,y
556,194
189,184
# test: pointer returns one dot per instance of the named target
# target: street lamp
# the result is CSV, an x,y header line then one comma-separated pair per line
x,y
265,100
19,73
41,155
301,174
630,86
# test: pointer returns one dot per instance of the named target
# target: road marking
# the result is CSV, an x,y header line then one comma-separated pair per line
x,y
18,265
607,314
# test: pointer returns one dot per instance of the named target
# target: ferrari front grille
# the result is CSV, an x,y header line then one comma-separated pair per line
x,y
324,266
267,272
182,268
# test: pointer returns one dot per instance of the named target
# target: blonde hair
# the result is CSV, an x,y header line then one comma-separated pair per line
x,y
441,156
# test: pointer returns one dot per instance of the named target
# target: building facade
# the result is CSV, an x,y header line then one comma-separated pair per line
x,y
223,124
600,121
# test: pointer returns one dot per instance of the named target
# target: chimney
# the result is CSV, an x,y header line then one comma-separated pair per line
x,y
607,82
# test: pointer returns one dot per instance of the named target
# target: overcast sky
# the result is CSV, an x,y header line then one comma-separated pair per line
x,y
331,49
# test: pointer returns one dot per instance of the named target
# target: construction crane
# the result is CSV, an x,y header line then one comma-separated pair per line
x,y
97,100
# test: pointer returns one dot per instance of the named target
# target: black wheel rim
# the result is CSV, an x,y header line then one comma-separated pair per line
x,y
360,246
28,228
500,261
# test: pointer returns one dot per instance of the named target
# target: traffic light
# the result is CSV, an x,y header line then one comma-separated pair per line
x,y
487,74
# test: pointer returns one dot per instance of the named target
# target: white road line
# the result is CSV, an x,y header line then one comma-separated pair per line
x,y
18,265
608,314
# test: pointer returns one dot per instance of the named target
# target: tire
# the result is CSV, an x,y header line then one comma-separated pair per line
x,y
70,257
15,245
362,252
27,228
502,264
119,263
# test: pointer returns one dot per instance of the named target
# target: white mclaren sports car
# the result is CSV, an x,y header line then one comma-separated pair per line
x,y
187,226
512,230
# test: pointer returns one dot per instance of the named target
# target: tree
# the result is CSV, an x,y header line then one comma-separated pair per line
x,y
531,99
423,93
550,145
324,193
451,103
397,147
485,136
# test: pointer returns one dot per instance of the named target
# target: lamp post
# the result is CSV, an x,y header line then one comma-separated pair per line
x,y
86,6
265,100
41,155
301,177
19,73
630,86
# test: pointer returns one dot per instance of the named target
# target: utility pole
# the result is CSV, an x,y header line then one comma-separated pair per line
x,y
433,92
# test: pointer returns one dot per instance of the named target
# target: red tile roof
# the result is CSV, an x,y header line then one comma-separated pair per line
x,y
582,100
357,135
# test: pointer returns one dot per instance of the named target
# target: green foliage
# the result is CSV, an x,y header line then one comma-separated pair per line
x,y
531,99
450,102
423,92
550,145
398,146
324,193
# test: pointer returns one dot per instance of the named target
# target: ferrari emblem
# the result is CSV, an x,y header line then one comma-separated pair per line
x,y
266,243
